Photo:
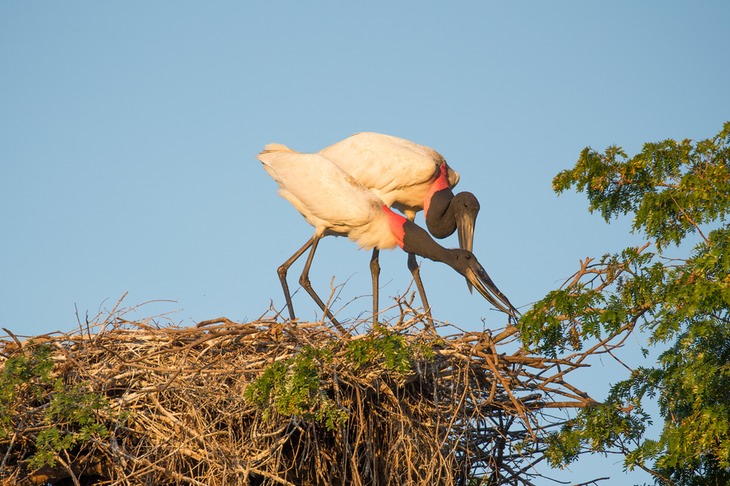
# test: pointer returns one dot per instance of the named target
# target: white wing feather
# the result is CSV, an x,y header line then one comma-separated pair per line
x,y
399,171
328,198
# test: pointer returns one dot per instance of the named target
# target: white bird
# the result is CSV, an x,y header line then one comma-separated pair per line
x,y
408,177
336,204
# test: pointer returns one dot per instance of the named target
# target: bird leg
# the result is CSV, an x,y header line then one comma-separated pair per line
x,y
413,267
282,274
375,273
304,282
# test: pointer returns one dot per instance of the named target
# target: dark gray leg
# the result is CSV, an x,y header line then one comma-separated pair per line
x,y
413,267
304,282
375,273
282,274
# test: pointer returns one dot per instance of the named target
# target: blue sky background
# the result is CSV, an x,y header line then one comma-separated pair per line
x,y
128,135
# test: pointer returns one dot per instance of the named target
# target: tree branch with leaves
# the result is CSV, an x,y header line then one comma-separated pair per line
x,y
678,194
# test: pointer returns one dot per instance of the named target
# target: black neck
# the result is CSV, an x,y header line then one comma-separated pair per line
x,y
439,218
417,240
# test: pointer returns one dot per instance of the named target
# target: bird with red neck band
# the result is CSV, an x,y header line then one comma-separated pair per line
x,y
409,177
336,204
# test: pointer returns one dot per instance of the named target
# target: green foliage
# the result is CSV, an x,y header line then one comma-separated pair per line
x,y
294,387
387,348
25,377
299,385
76,416
670,187
71,414
672,190
614,294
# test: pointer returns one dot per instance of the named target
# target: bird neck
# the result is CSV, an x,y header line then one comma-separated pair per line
x,y
439,184
397,225
440,220
416,240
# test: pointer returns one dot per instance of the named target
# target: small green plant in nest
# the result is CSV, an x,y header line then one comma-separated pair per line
x,y
388,349
71,414
297,386
294,387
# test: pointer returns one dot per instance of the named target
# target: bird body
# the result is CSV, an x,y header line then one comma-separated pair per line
x,y
400,172
409,177
329,198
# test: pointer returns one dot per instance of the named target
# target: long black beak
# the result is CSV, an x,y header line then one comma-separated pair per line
x,y
465,228
465,225
478,277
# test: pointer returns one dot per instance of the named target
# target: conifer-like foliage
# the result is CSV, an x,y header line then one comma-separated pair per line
x,y
678,194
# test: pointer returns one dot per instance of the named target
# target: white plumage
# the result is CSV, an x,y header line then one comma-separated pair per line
x,y
398,171
328,198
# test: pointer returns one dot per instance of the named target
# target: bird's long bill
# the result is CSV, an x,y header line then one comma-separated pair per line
x,y
465,229
479,278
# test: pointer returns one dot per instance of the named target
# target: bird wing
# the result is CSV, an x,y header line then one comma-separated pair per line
x,y
325,194
388,165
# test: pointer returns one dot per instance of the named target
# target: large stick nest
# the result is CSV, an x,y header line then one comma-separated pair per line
x,y
137,403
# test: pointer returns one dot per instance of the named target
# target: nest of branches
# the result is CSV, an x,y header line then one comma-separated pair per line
x,y
268,402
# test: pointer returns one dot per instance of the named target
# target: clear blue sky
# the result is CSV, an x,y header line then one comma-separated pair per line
x,y
128,135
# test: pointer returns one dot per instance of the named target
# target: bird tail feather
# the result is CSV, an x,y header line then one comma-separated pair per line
x,y
277,147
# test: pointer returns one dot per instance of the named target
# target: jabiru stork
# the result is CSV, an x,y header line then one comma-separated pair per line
x,y
408,177
336,204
